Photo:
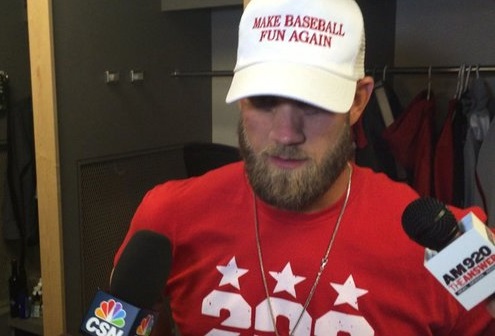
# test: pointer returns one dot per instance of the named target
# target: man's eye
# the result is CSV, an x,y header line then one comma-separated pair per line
x,y
309,109
263,102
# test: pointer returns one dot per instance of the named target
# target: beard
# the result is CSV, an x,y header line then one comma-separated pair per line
x,y
294,189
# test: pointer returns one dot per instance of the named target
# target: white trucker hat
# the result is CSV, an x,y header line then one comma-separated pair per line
x,y
307,50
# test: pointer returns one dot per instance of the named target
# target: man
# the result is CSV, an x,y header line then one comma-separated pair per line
x,y
298,240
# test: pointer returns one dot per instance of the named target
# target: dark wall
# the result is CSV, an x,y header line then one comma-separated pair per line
x,y
379,20
14,50
14,53
96,119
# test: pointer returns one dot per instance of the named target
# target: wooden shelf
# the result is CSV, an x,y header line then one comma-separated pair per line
x,y
168,5
33,325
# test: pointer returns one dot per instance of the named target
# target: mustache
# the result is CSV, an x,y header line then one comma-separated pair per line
x,y
285,152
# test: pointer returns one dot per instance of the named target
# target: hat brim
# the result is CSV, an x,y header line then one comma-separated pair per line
x,y
311,85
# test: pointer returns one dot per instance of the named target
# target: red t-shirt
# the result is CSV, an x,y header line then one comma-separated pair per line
x,y
374,283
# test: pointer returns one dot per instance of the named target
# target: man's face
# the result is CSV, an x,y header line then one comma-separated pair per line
x,y
294,152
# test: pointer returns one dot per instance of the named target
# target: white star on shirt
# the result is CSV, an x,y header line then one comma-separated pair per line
x,y
231,273
286,280
348,292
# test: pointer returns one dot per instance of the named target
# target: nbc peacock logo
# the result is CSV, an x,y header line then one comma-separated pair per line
x,y
145,327
111,312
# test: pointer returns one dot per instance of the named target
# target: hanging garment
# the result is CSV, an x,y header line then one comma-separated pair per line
x,y
4,92
478,123
443,160
485,169
410,140
371,149
459,125
20,202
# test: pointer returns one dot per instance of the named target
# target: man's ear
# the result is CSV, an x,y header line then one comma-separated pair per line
x,y
364,89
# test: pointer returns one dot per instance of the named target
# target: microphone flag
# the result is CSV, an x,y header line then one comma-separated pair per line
x,y
110,316
465,267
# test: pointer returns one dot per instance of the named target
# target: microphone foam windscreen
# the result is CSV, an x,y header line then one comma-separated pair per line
x,y
142,269
430,223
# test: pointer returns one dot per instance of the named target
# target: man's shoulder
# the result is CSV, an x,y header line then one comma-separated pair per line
x,y
219,180
380,191
380,180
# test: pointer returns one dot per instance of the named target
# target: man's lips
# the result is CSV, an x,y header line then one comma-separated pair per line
x,y
286,163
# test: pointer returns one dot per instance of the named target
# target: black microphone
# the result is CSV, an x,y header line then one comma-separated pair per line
x,y
460,255
135,287
429,223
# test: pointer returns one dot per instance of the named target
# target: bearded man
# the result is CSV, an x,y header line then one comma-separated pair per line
x,y
296,239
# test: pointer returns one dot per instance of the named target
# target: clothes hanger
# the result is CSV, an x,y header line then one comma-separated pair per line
x,y
460,78
375,77
382,100
466,81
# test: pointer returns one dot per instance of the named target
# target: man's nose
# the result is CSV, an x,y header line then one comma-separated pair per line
x,y
287,125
